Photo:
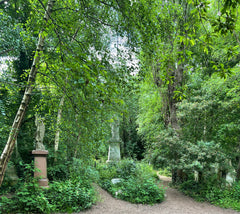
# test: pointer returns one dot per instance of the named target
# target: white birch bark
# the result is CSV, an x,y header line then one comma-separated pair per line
x,y
6,154
59,116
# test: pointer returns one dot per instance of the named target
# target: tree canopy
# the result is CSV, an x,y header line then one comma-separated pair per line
x,y
170,69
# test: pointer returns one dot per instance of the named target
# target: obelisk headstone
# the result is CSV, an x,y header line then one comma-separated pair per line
x,y
114,144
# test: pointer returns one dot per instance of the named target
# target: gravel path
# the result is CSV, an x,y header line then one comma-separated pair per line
x,y
175,203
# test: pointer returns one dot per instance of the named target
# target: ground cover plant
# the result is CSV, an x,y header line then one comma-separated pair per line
x,y
65,196
137,182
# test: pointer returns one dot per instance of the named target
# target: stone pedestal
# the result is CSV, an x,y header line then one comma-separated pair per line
x,y
40,163
114,152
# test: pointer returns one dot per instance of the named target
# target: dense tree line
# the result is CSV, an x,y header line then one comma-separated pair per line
x,y
179,107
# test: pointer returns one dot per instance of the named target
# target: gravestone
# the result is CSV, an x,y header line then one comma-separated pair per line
x,y
114,144
11,174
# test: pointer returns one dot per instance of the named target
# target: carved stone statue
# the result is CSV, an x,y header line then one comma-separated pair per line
x,y
40,133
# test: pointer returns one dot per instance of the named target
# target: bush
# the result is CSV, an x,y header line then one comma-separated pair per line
x,y
227,197
107,171
144,191
80,169
126,168
194,189
65,196
29,198
214,192
71,196
58,172
137,182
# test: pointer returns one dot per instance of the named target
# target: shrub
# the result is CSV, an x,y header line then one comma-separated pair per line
x,y
59,171
29,198
214,192
65,196
137,185
71,196
107,171
126,168
144,191
227,197
80,169
194,189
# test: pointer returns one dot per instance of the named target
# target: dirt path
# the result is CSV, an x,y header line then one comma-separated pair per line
x,y
175,203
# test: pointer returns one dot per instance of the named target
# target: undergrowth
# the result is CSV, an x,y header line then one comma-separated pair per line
x,y
137,182
216,193
72,195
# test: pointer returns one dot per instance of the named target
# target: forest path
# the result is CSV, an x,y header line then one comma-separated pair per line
x,y
175,203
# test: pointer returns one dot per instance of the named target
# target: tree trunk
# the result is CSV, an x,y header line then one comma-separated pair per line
x,y
174,176
59,116
200,177
6,154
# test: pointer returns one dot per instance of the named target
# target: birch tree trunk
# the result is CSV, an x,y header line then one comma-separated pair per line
x,y
59,116
6,154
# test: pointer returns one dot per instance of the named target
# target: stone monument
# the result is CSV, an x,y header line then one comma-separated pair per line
x,y
40,154
114,144
11,174
39,133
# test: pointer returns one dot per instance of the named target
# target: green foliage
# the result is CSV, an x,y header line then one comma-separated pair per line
x,y
71,195
139,190
227,197
137,182
175,153
29,198
65,196
126,168
214,192
133,142
9,35
79,169
59,171
165,172
150,118
178,52
194,189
